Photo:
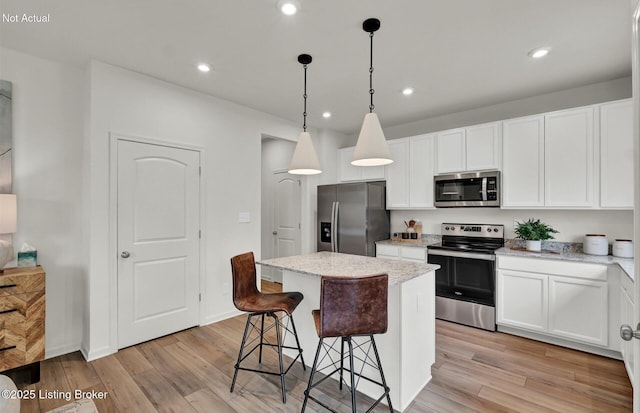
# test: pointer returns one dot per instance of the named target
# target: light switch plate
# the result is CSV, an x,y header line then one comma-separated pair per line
x,y
244,217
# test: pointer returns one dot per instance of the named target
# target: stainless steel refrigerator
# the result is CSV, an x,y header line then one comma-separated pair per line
x,y
352,217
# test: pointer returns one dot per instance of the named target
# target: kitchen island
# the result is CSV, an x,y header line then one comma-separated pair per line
x,y
407,349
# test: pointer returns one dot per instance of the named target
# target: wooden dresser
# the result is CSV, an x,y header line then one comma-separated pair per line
x,y
22,317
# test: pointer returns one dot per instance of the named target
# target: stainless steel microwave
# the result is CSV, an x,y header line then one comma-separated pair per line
x,y
467,189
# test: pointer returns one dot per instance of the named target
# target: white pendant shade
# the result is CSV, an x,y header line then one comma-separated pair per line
x,y
304,160
8,214
371,149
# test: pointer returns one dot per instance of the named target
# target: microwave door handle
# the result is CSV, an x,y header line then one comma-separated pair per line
x,y
484,189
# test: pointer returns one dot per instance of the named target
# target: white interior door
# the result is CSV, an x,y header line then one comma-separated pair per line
x,y
636,211
286,218
158,240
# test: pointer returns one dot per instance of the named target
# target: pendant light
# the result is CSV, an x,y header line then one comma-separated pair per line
x,y
304,160
371,148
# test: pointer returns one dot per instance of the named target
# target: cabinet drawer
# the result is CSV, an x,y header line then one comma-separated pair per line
x,y
21,343
387,250
12,282
21,307
413,253
555,267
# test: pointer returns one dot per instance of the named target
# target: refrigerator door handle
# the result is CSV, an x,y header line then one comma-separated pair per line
x,y
334,226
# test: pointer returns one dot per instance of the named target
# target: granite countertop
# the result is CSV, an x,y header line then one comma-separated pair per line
x,y
331,263
625,263
424,243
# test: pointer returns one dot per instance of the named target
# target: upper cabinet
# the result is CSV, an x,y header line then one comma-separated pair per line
x,y
410,176
523,162
483,147
569,158
469,149
349,173
616,154
451,151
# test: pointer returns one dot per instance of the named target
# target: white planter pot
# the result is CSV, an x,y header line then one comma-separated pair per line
x,y
534,245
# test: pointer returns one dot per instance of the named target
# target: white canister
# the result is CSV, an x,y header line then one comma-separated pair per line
x,y
623,248
595,244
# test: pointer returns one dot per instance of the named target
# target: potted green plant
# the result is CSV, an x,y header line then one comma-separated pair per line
x,y
533,231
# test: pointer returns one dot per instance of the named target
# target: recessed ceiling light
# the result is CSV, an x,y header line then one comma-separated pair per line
x,y
407,91
539,52
326,115
289,7
204,68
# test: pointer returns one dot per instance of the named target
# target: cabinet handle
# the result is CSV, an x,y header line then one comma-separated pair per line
x,y
8,311
8,286
7,348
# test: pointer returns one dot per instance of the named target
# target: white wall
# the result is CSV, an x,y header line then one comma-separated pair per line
x,y
562,99
47,142
132,104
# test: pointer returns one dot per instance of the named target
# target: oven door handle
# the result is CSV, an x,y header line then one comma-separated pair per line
x,y
460,254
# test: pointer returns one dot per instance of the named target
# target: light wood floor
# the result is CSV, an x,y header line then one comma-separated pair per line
x,y
476,371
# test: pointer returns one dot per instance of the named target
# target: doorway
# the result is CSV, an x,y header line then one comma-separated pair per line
x,y
158,240
281,205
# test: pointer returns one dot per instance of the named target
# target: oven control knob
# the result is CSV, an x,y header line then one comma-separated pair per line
x,y
446,228
488,229
495,230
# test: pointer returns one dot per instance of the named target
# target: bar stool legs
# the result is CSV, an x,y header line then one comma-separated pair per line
x,y
251,326
352,372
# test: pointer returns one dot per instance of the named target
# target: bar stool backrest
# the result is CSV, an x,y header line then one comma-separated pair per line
x,y
351,306
243,270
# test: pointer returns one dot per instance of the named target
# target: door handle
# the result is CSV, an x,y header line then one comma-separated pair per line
x,y
274,233
125,254
627,333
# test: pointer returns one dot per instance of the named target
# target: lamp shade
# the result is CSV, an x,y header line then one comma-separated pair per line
x,y
371,148
8,214
304,160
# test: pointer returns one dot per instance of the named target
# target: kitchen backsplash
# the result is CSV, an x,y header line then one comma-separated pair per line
x,y
571,224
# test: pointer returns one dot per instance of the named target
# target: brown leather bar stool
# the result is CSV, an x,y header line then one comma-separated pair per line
x,y
350,307
246,297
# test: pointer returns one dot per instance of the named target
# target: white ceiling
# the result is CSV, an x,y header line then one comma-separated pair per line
x,y
457,54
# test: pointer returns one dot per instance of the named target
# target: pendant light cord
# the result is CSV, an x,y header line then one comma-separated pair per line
x,y
304,114
371,91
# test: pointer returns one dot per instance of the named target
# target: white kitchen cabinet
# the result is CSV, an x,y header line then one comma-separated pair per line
x,y
569,158
397,252
469,149
578,309
450,149
398,175
523,162
483,147
522,300
410,176
616,154
348,172
561,299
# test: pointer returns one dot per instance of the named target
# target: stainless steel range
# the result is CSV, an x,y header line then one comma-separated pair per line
x,y
466,280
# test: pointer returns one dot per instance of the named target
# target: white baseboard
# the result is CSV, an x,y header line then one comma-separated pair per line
x,y
219,317
61,350
90,355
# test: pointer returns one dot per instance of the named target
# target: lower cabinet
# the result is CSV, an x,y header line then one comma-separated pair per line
x,y
578,309
416,254
562,299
